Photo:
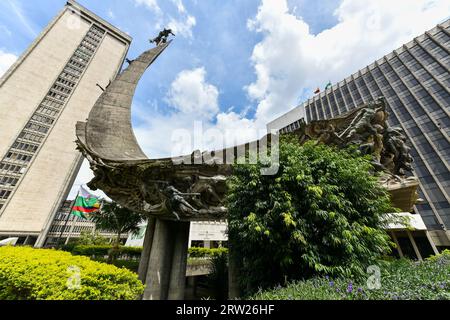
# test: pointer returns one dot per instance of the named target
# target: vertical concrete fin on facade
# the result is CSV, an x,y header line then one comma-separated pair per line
x,y
108,132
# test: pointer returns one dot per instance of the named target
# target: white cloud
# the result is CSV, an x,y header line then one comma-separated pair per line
x,y
6,60
190,93
183,26
154,135
159,135
150,4
184,23
180,6
5,30
290,58
111,14
238,129
23,19
196,117
84,176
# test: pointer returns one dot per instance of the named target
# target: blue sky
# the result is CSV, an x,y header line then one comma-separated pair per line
x,y
234,65
220,42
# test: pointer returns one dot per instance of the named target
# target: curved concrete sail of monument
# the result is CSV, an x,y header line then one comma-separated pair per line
x,y
108,132
160,187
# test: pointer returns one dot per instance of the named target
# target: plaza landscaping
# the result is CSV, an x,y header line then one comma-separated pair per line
x,y
310,232
400,280
43,274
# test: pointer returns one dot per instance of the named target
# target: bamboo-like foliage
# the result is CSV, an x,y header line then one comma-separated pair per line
x,y
322,214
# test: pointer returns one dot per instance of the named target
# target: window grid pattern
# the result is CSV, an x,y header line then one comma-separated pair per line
x,y
415,80
18,157
290,128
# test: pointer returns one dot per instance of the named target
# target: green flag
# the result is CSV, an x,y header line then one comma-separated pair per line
x,y
85,204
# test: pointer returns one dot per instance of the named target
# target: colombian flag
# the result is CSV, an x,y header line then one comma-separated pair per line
x,y
85,204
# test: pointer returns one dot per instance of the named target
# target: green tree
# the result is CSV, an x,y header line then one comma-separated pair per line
x,y
120,220
322,213
218,278
91,238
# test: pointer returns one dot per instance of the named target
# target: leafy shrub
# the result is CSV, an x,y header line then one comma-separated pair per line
x,y
91,251
42,274
132,265
197,252
218,278
101,251
322,213
400,280
135,252
92,239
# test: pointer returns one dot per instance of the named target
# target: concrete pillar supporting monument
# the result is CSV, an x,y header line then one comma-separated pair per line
x,y
159,265
145,256
167,261
177,282
233,284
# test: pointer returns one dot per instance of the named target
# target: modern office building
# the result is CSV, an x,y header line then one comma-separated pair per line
x,y
51,87
66,228
415,80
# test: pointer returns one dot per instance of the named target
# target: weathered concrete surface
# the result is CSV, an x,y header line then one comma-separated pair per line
x,y
147,248
167,262
160,262
110,134
177,283
198,269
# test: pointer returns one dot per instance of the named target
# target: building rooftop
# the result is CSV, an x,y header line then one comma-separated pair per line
x,y
84,11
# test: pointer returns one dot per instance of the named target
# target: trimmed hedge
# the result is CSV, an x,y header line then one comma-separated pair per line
x,y
135,252
102,251
195,252
43,274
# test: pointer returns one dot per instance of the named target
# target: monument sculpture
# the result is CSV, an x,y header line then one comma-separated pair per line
x,y
162,36
367,129
173,192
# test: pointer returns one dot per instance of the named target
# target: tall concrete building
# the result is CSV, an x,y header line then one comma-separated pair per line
x,y
415,79
53,85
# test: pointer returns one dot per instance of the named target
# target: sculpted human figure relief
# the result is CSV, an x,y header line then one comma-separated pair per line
x,y
162,36
368,129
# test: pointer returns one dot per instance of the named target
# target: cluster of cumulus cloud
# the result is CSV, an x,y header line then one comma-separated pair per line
x,y
289,62
289,59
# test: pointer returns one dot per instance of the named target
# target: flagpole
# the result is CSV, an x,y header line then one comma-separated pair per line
x,y
67,219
